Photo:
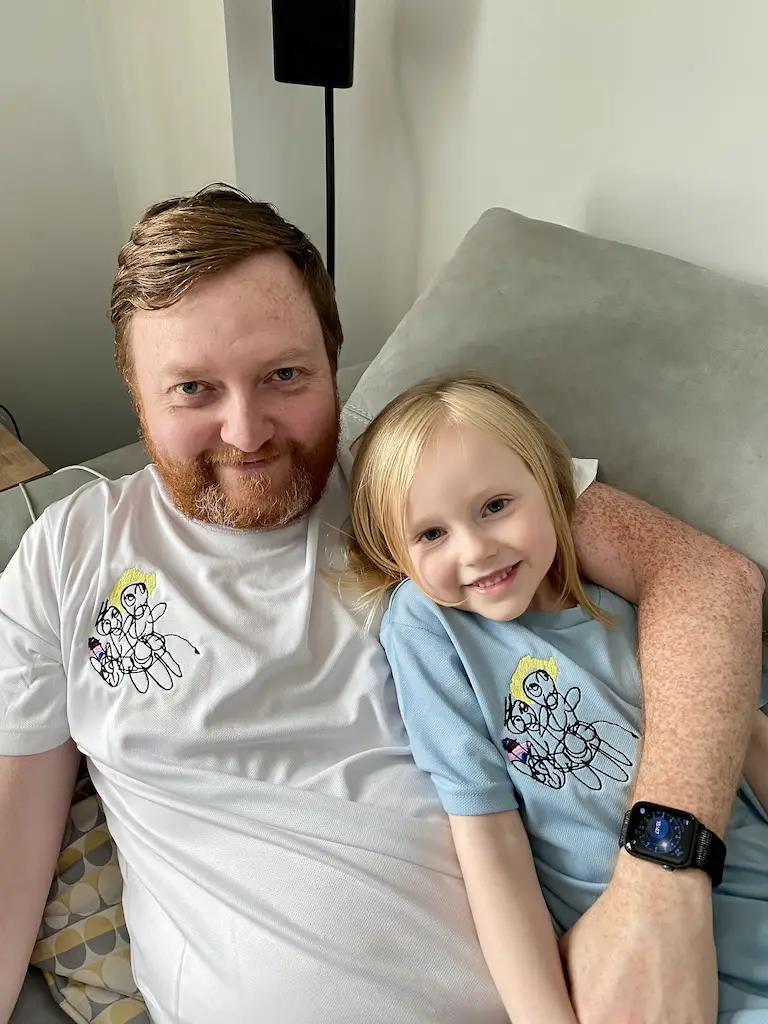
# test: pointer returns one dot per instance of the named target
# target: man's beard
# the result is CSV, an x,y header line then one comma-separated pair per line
x,y
253,500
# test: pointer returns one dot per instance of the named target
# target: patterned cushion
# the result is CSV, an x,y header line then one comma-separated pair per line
x,y
83,947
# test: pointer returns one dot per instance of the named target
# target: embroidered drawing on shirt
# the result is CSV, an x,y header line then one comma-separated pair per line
x,y
548,740
128,644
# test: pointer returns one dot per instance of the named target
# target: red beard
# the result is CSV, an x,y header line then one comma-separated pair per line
x,y
254,501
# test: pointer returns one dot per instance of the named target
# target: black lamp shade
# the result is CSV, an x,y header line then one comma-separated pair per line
x,y
314,42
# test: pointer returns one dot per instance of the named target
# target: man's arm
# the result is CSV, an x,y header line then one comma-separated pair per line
x,y
35,794
699,626
647,944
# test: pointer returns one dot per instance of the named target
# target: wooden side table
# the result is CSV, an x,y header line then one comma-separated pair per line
x,y
17,463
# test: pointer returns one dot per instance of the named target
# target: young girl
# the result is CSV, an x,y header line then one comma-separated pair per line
x,y
519,685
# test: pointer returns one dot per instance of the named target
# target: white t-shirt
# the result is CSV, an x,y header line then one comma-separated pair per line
x,y
284,859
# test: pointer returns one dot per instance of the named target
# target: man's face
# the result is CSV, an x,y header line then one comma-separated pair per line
x,y
236,396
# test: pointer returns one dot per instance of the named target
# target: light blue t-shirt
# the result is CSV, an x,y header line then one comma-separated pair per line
x,y
544,714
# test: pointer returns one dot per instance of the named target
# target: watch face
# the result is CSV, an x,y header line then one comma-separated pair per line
x,y
661,833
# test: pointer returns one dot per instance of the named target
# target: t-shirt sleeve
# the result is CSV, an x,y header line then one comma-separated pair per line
x,y
33,686
584,474
445,724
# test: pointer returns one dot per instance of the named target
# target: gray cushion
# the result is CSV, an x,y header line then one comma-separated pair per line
x,y
654,366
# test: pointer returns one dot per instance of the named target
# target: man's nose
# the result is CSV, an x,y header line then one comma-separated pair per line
x,y
244,425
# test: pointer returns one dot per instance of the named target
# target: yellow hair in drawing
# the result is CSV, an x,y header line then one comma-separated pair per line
x,y
525,666
131,576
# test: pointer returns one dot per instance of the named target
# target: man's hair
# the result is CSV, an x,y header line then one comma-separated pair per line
x,y
180,242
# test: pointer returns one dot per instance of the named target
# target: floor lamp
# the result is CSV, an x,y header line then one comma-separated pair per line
x,y
314,44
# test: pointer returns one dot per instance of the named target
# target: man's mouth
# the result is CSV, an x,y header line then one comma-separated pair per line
x,y
495,580
253,463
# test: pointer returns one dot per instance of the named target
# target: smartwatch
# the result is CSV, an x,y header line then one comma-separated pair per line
x,y
674,839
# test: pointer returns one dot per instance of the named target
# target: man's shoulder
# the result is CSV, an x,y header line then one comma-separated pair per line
x,y
98,495
84,513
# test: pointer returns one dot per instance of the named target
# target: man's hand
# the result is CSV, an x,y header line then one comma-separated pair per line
x,y
644,953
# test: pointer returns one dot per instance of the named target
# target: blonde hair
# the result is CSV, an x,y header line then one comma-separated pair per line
x,y
388,455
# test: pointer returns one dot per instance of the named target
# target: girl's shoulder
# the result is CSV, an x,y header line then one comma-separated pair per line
x,y
622,624
409,606
612,603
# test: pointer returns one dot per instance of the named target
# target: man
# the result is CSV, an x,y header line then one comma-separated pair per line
x,y
283,858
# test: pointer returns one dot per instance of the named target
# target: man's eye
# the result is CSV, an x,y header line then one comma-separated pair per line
x,y
189,387
431,535
496,505
286,373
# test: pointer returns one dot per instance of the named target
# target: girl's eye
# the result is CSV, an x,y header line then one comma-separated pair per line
x,y
431,535
286,373
496,505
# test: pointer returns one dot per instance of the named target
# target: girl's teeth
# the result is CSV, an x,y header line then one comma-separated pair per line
x,y
492,580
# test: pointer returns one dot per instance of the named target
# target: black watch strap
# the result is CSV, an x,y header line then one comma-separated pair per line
x,y
625,828
709,854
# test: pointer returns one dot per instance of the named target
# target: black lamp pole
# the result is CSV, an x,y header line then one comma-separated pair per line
x,y
330,186
314,44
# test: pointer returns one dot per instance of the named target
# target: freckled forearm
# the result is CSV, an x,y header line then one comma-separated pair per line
x,y
699,630
699,636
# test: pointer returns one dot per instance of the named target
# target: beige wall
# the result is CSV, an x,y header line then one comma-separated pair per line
x,y
279,147
639,122
162,68
105,107
59,233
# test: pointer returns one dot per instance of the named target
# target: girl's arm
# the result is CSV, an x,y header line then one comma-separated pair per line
x,y
450,739
511,917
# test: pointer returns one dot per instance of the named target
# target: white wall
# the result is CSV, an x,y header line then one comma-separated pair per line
x,y
277,128
105,107
59,233
165,89
279,150
639,122
377,204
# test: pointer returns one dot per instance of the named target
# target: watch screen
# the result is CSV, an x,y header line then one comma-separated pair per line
x,y
663,833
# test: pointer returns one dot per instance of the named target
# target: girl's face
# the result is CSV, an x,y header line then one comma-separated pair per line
x,y
479,530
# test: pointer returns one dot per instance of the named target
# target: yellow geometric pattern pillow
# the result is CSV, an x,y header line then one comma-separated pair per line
x,y
83,947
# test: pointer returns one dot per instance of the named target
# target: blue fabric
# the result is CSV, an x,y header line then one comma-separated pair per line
x,y
544,714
